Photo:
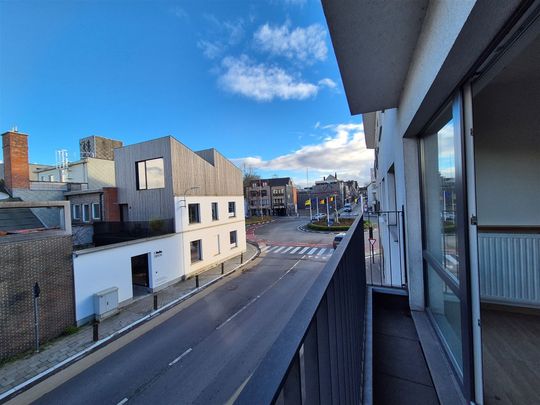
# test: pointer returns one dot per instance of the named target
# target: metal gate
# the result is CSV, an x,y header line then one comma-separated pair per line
x,y
385,249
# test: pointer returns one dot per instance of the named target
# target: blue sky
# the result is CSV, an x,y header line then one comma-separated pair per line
x,y
256,80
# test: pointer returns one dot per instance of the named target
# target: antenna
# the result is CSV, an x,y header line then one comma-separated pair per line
x,y
62,163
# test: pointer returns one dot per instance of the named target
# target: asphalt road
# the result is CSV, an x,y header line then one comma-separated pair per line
x,y
204,353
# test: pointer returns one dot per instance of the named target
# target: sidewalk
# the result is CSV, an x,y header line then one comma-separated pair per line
x,y
62,348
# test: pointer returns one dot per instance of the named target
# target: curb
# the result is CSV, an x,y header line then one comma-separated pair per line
x,y
12,392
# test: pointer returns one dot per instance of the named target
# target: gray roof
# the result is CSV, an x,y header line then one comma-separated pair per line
x,y
12,219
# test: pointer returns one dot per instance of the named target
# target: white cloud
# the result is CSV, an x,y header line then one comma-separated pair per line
x,y
342,151
180,12
306,45
221,36
327,83
261,82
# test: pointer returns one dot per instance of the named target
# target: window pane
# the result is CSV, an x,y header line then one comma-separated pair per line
x,y
155,176
195,251
215,211
445,307
96,214
141,176
233,238
193,211
440,197
86,212
232,207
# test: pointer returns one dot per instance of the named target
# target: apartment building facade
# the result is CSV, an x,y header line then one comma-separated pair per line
x,y
275,196
451,109
192,200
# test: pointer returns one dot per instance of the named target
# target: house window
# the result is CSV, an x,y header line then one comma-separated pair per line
x,y
86,212
233,239
232,209
263,193
96,211
215,215
150,174
195,248
193,211
77,211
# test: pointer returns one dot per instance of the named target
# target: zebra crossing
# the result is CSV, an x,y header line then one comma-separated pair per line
x,y
309,251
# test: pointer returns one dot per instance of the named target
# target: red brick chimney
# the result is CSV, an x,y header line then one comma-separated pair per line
x,y
16,169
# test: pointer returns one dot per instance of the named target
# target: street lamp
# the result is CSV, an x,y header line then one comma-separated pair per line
x,y
187,190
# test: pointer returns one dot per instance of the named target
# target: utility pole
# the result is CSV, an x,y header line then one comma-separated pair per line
x,y
260,197
327,211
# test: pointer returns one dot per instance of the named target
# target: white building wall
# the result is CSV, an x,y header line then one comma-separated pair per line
x,y
208,230
97,269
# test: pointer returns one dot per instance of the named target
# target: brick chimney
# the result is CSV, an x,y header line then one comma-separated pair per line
x,y
16,169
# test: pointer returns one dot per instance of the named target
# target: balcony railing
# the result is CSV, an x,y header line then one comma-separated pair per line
x,y
318,357
106,233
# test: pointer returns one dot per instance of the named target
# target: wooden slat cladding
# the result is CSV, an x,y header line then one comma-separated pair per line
x,y
144,205
192,169
184,168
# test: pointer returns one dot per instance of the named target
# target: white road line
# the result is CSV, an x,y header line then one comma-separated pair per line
x,y
312,251
265,248
272,248
321,251
178,358
122,402
279,249
286,250
294,250
303,250
258,296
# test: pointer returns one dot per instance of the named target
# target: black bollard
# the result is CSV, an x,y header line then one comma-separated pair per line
x,y
197,281
241,258
222,268
155,302
95,327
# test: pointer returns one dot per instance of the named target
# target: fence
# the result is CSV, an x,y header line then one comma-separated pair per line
x,y
318,357
106,233
385,249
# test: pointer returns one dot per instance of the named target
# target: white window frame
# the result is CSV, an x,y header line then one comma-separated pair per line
x,y
233,213
217,211
92,212
74,211
197,220
84,217
235,243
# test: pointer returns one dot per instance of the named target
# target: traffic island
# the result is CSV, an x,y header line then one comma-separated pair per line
x,y
321,226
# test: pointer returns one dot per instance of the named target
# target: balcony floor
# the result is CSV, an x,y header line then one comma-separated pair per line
x,y
400,371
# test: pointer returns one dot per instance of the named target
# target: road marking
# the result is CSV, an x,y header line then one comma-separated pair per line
x,y
294,250
279,249
272,248
265,248
122,402
312,251
286,250
258,296
303,250
321,252
178,358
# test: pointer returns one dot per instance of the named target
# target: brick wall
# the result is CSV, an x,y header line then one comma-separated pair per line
x,y
26,260
15,152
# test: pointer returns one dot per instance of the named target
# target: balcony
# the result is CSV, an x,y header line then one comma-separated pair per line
x,y
348,342
107,233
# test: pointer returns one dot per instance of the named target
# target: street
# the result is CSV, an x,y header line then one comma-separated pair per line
x,y
204,353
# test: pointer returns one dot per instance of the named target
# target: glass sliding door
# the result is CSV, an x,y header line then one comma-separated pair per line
x,y
445,239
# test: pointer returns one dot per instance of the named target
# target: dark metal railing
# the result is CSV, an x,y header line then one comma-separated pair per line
x,y
385,249
318,357
106,233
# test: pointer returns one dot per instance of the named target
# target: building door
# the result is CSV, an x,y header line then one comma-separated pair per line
x,y
124,213
140,270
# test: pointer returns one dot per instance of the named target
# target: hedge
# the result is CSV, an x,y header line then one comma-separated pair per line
x,y
315,227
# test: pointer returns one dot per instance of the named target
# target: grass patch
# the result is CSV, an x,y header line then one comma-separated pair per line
x,y
344,225
70,330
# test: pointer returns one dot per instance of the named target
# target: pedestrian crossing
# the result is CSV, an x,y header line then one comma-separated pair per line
x,y
309,251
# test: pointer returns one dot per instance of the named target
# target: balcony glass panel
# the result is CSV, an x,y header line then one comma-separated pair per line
x,y
445,307
439,177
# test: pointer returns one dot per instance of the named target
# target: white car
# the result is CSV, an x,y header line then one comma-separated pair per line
x,y
318,217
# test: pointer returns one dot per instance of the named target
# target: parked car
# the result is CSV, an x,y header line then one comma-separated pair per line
x,y
337,239
318,217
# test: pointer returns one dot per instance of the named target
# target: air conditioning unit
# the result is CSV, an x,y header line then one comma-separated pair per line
x,y
106,303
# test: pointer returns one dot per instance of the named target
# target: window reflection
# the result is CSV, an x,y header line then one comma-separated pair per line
x,y
150,174
440,197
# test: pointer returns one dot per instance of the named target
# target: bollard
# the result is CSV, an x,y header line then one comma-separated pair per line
x,y
222,268
155,302
241,258
197,281
95,327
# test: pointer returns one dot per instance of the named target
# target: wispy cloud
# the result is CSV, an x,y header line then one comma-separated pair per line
x,y
307,45
179,12
221,36
327,83
343,151
262,82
